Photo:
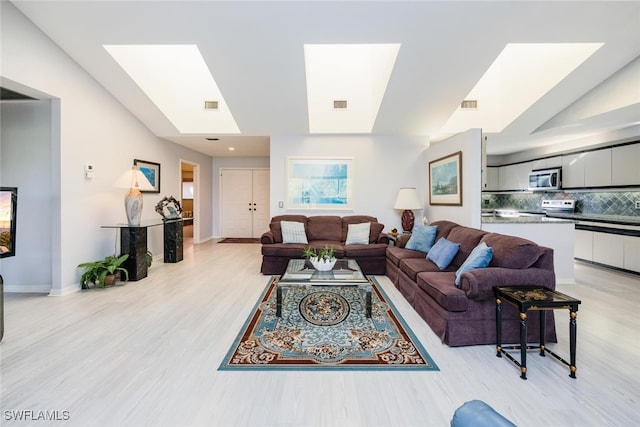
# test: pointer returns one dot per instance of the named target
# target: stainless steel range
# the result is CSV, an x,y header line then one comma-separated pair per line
x,y
559,206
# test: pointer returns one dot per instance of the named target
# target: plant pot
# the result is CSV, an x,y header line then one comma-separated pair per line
x,y
110,280
323,264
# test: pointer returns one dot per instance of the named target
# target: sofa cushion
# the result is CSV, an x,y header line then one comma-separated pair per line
x,y
444,228
412,266
324,228
479,258
293,232
443,252
396,254
275,228
511,251
358,234
374,232
440,287
468,238
368,250
284,250
422,238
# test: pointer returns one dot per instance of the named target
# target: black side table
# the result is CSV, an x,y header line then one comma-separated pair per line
x,y
535,298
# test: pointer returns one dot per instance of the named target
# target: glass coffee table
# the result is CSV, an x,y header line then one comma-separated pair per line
x,y
300,272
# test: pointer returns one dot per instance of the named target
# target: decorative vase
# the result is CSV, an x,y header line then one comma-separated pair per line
x,y
323,264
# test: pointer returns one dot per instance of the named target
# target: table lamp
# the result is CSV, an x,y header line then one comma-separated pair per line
x,y
407,200
135,181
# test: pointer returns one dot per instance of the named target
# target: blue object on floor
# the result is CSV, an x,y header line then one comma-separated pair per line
x,y
476,413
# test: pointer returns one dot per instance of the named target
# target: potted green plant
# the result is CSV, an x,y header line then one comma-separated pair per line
x,y
103,272
322,259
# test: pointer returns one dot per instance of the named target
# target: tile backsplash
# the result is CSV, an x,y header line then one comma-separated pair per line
x,y
597,203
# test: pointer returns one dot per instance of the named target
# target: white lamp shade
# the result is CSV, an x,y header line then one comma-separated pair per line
x,y
133,178
407,199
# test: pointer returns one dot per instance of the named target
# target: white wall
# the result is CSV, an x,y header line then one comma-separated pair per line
x,y
25,162
382,164
88,126
469,214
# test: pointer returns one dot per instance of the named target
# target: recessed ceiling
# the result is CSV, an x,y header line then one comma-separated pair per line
x,y
255,54
353,77
177,80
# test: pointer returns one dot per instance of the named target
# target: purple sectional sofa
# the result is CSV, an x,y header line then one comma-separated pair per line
x,y
465,315
320,231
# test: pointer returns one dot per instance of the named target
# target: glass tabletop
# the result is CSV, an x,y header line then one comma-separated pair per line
x,y
345,270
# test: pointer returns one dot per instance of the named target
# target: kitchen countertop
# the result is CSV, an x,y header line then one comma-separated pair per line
x,y
611,219
526,220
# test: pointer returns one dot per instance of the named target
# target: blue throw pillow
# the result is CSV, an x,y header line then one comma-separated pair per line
x,y
443,252
480,257
422,238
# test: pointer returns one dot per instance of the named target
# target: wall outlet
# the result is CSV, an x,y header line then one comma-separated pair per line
x,y
281,205
637,204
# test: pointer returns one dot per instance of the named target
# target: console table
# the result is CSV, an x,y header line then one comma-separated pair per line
x,y
133,241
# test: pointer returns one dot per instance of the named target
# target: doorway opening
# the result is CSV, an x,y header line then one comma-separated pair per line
x,y
189,202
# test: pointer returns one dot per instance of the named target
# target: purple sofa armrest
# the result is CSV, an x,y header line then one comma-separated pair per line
x,y
267,238
478,284
383,238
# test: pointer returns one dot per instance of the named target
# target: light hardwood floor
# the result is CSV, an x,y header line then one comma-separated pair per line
x,y
147,353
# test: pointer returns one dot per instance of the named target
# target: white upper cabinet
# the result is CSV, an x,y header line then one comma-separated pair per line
x,y
597,168
491,182
625,161
514,177
573,170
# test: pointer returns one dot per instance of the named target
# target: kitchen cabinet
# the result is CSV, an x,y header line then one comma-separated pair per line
x,y
609,245
624,165
547,163
491,181
514,177
584,245
597,168
608,249
631,259
573,170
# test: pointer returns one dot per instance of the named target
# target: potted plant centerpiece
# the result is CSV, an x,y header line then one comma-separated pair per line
x,y
103,272
322,259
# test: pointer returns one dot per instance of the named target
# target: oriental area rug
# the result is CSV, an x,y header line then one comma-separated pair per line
x,y
326,327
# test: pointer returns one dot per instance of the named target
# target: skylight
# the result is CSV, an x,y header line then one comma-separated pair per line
x,y
520,76
355,75
178,81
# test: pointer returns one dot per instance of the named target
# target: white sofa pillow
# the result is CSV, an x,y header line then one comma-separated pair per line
x,y
293,232
358,234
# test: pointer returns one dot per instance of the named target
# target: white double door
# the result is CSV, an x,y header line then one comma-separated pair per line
x,y
244,202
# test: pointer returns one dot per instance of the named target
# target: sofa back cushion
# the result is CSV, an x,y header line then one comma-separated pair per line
x,y
374,231
444,228
468,238
276,229
512,251
324,228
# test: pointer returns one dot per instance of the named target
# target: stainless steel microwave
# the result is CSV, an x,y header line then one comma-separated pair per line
x,y
547,179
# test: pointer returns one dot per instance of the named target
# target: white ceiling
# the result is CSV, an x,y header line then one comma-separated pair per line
x,y
255,52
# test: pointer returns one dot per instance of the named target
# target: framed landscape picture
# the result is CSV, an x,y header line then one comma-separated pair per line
x,y
319,183
151,170
445,180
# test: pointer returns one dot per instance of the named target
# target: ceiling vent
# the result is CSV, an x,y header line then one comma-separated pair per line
x,y
212,139
339,105
469,104
210,105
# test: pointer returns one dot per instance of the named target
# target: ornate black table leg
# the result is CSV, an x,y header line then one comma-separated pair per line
x,y
523,345
543,331
278,301
572,341
498,327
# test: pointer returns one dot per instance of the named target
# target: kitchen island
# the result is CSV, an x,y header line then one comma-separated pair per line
x,y
556,233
